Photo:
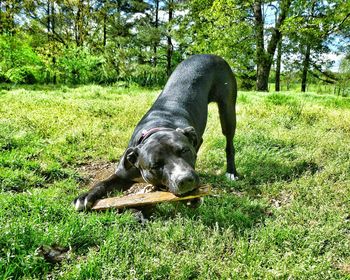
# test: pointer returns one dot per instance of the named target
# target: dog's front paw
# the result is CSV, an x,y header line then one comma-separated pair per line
x,y
82,202
231,176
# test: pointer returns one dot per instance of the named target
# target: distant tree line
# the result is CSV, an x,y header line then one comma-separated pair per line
x,y
141,41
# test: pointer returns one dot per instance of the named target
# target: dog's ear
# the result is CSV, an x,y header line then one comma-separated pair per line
x,y
191,134
130,157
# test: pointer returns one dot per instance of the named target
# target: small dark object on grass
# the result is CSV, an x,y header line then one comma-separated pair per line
x,y
54,254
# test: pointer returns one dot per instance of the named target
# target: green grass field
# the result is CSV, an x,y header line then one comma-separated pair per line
x,y
287,218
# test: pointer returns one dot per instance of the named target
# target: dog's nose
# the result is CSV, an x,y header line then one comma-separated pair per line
x,y
187,183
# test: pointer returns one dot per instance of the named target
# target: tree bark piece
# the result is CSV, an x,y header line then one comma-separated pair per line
x,y
144,199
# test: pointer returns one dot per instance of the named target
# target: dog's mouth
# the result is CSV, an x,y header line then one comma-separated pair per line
x,y
179,194
163,188
193,191
187,193
183,193
182,187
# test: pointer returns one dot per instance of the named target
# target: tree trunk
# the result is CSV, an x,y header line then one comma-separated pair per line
x,y
264,58
278,66
306,64
52,18
48,31
48,23
156,24
262,77
1,19
79,36
104,29
169,42
54,78
260,48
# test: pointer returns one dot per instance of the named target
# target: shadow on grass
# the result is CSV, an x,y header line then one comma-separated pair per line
x,y
225,208
223,211
237,204
269,170
267,160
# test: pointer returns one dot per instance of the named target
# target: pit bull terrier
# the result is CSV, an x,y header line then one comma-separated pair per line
x,y
163,149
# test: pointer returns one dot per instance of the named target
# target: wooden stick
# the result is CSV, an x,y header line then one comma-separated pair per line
x,y
145,199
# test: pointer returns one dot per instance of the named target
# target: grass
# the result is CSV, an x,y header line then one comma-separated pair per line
x,y
287,218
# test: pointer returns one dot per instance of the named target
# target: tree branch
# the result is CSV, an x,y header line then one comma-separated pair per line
x,y
321,79
337,27
326,74
56,36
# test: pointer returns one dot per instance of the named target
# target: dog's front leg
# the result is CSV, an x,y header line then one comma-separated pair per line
x,y
115,182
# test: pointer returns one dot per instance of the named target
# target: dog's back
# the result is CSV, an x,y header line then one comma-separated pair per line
x,y
194,83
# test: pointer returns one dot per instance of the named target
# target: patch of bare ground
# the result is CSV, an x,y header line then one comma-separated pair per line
x,y
93,172
344,267
284,199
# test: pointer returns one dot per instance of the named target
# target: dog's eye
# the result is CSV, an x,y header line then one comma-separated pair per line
x,y
157,165
184,150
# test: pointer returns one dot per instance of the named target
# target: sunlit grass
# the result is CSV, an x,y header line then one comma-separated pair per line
x,y
288,216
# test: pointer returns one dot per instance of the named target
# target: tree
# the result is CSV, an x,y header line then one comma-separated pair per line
x,y
264,57
311,28
8,10
18,63
221,27
237,30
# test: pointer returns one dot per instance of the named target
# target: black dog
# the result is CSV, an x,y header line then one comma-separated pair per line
x,y
162,150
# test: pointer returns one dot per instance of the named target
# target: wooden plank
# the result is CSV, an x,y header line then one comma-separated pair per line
x,y
144,199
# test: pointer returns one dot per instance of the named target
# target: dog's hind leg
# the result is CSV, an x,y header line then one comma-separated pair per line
x,y
227,112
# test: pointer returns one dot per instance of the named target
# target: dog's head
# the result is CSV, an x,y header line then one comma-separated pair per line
x,y
167,159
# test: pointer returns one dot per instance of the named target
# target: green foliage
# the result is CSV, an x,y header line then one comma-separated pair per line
x,y
22,75
19,63
343,84
208,28
78,66
147,75
79,42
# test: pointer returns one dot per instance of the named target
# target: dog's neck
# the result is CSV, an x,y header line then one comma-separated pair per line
x,y
145,134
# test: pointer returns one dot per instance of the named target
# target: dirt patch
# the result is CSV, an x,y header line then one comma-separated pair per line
x,y
283,200
93,172
344,267
96,171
